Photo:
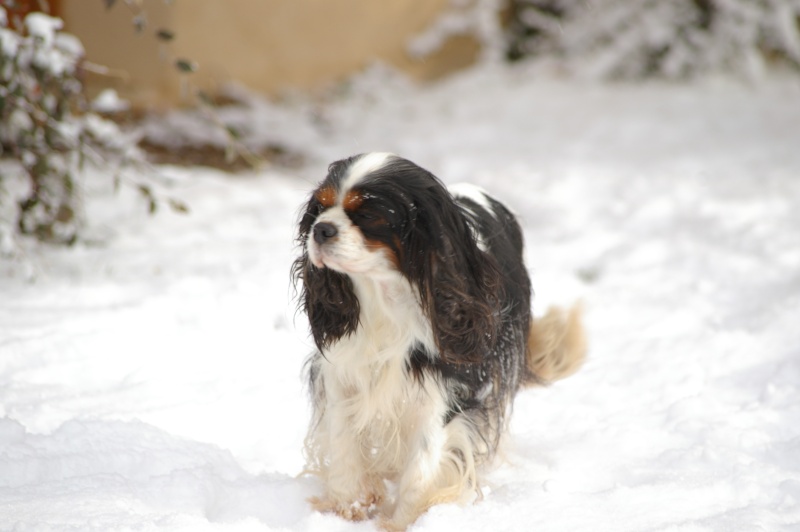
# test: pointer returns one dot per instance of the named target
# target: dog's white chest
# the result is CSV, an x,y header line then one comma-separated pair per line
x,y
366,375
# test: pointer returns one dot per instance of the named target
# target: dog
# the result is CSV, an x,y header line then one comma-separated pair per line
x,y
419,304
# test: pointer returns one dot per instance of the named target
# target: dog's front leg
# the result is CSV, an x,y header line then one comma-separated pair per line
x,y
345,474
425,471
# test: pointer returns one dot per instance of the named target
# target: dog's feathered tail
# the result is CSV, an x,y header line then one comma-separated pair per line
x,y
556,346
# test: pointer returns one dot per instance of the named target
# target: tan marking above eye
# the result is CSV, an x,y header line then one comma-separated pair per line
x,y
353,200
326,196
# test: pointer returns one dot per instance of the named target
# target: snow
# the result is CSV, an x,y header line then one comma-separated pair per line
x,y
614,39
43,26
53,51
475,18
108,101
150,376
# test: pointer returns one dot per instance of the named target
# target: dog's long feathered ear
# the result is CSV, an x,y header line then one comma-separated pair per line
x,y
327,297
460,286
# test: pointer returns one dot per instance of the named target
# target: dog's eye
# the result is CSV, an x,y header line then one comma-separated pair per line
x,y
368,220
364,216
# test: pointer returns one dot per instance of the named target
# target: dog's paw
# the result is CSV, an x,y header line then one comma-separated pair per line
x,y
352,511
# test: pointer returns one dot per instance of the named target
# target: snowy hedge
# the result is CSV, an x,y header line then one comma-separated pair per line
x,y
664,38
43,126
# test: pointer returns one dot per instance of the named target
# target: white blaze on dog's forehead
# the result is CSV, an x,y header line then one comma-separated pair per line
x,y
363,166
473,193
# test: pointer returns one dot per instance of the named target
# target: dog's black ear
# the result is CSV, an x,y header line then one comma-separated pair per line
x,y
328,299
464,305
460,286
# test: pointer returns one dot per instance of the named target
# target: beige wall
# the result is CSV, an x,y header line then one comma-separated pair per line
x,y
268,45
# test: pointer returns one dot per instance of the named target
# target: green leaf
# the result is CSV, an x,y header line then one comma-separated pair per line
x,y
165,35
178,206
186,66
152,205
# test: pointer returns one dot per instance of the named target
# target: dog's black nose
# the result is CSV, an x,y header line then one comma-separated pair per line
x,y
324,231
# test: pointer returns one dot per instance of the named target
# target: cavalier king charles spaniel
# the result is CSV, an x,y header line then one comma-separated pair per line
x,y
419,304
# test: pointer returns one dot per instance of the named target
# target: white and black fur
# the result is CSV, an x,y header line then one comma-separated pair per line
x,y
420,306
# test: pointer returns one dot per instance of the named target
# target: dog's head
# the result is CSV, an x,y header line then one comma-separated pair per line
x,y
377,216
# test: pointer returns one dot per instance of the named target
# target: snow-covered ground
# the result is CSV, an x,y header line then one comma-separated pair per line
x,y
150,378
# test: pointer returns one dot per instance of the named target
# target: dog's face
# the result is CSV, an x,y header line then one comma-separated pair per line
x,y
356,230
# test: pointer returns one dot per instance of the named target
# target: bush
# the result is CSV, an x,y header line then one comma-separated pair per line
x,y
661,38
44,125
